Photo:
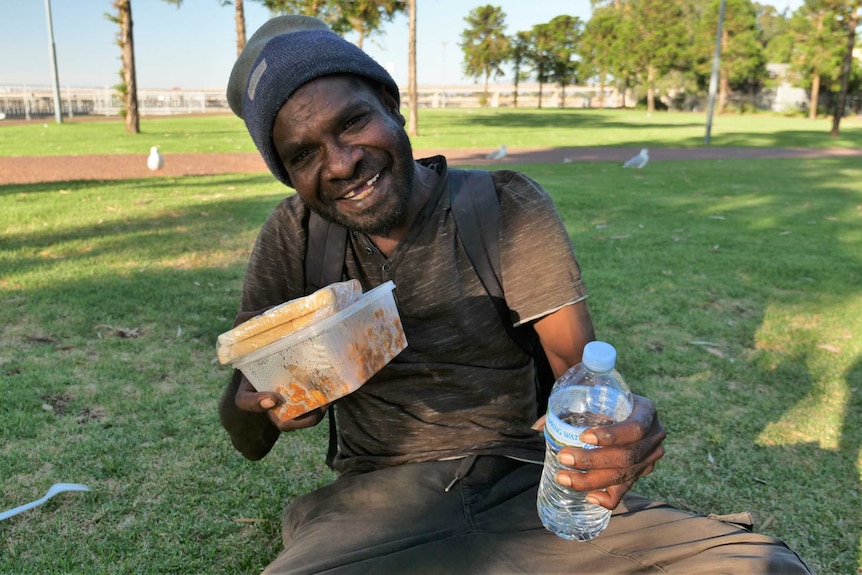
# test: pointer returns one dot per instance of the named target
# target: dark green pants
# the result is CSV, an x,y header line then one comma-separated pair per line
x,y
401,521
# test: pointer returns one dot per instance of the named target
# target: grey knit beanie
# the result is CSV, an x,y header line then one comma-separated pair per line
x,y
284,54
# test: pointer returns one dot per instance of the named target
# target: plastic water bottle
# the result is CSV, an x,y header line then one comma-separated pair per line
x,y
589,394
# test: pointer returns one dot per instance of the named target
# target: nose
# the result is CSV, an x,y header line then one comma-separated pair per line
x,y
341,161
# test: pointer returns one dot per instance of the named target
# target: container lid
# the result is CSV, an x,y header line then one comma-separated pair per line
x,y
599,356
314,329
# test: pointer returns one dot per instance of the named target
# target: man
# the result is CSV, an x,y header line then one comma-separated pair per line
x,y
439,453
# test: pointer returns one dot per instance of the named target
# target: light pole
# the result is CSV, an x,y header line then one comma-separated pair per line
x,y
713,79
58,112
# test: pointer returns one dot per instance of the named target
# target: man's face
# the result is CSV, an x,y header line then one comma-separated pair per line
x,y
343,144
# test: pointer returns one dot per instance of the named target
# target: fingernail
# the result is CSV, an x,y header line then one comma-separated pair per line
x,y
589,437
266,403
593,500
566,459
563,479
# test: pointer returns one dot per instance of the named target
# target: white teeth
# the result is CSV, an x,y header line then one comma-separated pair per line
x,y
371,182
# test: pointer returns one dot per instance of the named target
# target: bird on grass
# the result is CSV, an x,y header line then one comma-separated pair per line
x,y
155,161
638,161
497,154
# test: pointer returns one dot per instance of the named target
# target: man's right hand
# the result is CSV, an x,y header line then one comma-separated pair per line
x,y
249,399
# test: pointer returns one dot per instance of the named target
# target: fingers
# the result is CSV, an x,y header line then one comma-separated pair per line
x,y
630,450
635,426
305,420
249,399
540,424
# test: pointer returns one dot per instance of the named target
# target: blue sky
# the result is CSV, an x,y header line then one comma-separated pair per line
x,y
194,47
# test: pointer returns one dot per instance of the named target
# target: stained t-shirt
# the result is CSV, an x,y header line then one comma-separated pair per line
x,y
462,386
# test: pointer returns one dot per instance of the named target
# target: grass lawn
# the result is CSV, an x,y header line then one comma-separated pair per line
x,y
730,288
449,128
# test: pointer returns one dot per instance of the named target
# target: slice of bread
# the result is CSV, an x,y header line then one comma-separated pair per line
x,y
285,319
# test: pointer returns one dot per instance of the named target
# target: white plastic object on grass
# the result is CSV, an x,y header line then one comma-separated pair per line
x,y
54,490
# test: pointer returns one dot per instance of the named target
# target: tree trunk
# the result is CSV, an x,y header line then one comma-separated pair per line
x,y
485,91
602,91
515,102
650,92
852,22
240,27
124,8
413,92
815,96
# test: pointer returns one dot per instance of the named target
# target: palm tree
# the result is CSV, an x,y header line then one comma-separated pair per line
x,y
240,26
125,40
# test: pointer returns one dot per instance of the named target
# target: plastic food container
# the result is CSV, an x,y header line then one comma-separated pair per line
x,y
329,359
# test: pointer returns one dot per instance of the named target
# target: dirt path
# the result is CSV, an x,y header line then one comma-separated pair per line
x,y
36,169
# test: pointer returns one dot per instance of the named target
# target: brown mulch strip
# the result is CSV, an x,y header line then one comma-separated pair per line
x,y
37,169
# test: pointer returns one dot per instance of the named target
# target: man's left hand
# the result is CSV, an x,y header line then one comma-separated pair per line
x,y
629,451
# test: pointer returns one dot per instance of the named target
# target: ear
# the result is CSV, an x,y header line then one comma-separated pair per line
x,y
392,106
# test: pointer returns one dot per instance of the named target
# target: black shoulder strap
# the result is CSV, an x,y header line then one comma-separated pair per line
x,y
324,265
324,256
476,209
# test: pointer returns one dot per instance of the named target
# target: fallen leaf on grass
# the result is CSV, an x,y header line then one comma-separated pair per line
x,y
828,347
716,352
128,333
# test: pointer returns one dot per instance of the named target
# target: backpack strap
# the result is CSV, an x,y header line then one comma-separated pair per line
x,y
324,255
475,206
324,265
476,209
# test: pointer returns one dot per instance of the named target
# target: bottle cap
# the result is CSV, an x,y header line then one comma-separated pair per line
x,y
599,356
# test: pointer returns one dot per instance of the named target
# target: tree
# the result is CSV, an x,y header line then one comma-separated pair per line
x,y
775,35
519,46
485,44
849,14
743,64
656,36
599,44
239,18
412,91
565,33
129,87
817,50
364,17
540,55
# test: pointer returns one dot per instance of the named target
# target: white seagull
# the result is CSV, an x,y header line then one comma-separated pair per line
x,y
497,154
155,161
638,161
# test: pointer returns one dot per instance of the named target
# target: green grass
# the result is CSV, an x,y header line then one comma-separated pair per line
x,y
730,288
450,128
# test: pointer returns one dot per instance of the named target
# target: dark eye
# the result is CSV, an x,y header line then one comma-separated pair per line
x,y
299,157
355,122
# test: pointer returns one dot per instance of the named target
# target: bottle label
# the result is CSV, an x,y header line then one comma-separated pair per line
x,y
561,434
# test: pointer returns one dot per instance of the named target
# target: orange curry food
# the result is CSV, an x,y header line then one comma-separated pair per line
x,y
306,389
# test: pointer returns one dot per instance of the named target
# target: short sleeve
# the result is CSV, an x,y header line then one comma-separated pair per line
x,y
539,266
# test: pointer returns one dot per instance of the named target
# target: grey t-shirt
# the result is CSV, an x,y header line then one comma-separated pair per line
x,y
462,386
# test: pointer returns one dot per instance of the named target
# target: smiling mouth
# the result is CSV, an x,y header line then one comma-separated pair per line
x,y
362,193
